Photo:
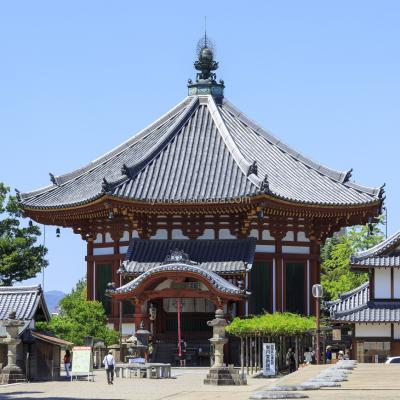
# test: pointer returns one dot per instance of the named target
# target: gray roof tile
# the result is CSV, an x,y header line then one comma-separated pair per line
x,y
356,306
201,151
24,300
384,254
219,283
220,256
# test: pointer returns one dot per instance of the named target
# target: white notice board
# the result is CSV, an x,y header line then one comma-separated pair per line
x,y
82,362
269,367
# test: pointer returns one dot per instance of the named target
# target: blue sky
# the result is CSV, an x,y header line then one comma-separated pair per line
x,y
78,78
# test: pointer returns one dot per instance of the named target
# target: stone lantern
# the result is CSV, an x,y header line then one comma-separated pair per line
x,y
219,373
12,373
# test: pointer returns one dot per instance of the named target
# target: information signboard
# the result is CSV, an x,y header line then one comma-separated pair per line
x,y
82,362
269,367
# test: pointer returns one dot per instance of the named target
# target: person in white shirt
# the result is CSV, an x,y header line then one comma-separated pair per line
x,y
109,365
308,356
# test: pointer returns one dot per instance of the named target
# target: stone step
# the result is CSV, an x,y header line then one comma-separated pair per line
x,y
219,382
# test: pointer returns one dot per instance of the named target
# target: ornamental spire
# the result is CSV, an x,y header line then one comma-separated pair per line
x,y
205,65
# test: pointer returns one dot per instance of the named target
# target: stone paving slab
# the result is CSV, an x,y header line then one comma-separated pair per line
x,y
188,384
367,382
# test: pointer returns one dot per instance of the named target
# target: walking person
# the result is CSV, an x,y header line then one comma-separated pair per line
x,y
291,360
67,362
328,354
109,365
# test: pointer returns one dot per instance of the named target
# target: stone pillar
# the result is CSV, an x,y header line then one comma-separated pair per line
x,y
12,373
220,374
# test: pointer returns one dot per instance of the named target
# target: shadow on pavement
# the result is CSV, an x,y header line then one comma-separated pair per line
x,y
25,394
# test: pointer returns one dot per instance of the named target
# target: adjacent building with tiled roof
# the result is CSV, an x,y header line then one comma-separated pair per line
x,y
38,354
373,309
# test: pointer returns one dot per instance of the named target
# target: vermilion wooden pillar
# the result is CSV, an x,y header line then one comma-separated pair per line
x,y
89,270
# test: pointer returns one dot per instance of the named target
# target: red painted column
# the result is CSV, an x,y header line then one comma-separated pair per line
x,y
179,328
89,270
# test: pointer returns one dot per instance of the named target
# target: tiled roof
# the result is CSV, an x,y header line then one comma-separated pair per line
x,y
355,306
24,300
381,255
220,256
219,283
371,262
201,151
51,339
381,248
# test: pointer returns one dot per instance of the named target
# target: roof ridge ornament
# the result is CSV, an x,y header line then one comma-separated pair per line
x,y
348,175
125,170
381,191
264,188
253,169
53,179
206,83
18,195
106,187
177,256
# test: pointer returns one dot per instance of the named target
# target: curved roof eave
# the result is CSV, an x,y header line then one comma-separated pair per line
x,y
379,249
220,284
191,202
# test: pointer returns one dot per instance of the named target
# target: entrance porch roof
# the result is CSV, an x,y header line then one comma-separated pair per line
x,y
213,281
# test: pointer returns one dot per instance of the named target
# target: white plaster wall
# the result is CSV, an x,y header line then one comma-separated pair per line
x,y
127,328
99,238
254,233
226,234
295,250
396,331
396,278
178,234
123,249
207,234
125,236
289,237
301,237
108,238
382,283
265,248
267,236
160,234
102,251
373,330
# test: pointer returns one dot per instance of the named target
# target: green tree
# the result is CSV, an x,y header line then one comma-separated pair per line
x,y
79,318
20,257
336,276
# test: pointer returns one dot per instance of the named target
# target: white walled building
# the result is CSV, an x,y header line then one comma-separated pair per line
x,y
373,309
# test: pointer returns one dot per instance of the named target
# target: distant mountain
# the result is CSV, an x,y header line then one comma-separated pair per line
x,y
52,298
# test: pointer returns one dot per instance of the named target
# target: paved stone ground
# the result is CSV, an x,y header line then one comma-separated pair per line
x,y
187,384
367,382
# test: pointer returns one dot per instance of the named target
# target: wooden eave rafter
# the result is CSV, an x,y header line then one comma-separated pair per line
x,y
272,206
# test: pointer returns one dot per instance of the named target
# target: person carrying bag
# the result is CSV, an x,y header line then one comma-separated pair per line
x,y
109,365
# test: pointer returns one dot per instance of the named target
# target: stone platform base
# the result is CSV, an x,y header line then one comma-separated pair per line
x,y
7,377
224,376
